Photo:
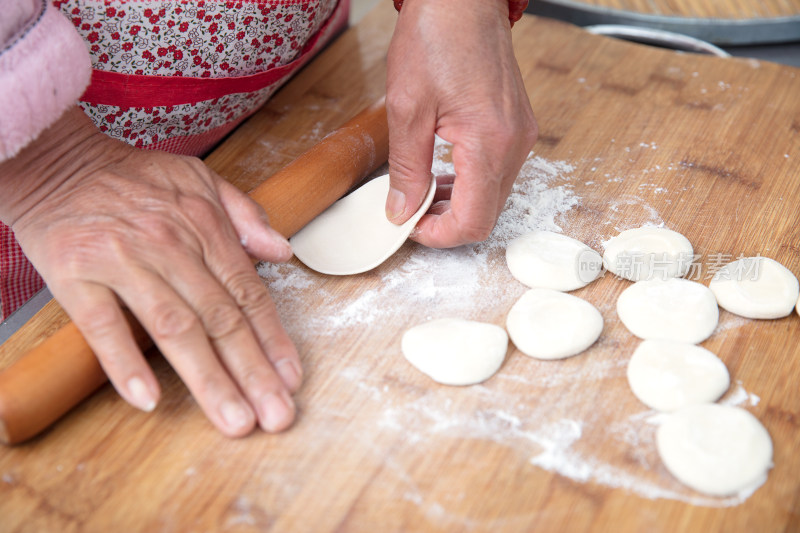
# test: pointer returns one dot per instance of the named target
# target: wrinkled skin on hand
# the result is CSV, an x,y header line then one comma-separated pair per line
x,y
452,71
110,226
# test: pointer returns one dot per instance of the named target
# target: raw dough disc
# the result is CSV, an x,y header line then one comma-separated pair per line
x,y
676,310
715,449
548,324
552,261
668,376
648,253
354,235
756,287
455,351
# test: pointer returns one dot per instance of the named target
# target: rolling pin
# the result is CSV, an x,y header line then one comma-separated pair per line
x,y
62,371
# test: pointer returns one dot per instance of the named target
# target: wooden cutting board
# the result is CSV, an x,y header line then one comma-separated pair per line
x,y
722,22
710,9
629,135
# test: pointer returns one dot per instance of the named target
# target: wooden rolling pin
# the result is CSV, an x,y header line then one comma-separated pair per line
x,y
62,371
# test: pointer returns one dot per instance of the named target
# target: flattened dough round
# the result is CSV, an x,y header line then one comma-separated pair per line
x,y
715,449
648,253
455,351
676,310
552,261
668,376
354,235
756,287
548,324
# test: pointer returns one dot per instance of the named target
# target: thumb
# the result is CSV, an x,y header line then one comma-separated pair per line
x,y
411,137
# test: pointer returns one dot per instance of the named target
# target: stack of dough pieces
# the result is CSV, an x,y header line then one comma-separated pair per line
x,y
668,375
715,449
548,324
545,323
660,305
756,287
648,253
454,351
543,259
675,309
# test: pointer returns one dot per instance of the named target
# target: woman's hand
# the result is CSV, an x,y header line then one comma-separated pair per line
x,y
109,226
452,71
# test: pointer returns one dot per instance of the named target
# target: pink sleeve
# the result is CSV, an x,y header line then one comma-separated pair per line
x,y
44,69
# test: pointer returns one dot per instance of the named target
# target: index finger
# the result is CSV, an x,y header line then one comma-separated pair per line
x,y
478,194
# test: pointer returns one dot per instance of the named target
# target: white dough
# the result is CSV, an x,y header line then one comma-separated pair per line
x,y
756,287
455,351
715,449
648,253
547,324
676,309
668,376
354,235
552,261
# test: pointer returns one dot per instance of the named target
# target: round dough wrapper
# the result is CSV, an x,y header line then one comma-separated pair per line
x,y
548,324
552,261
715,449
354,235
648,253
455,351
676,310
668,376
756,287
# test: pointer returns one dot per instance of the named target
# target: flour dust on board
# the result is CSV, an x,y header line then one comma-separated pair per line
x,y
552,431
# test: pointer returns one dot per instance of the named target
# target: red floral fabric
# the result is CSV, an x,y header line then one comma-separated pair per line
x,y
203,39
253,45
207,38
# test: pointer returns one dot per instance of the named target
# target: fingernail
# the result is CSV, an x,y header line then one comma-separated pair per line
x,y
141,395
290,373
281,242
234,415
395,204
278,411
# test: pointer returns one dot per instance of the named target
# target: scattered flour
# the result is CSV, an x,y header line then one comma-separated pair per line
x,y
552,442
241,513
728,321
451,280
651,216
284,278
533,203
548,428
739,396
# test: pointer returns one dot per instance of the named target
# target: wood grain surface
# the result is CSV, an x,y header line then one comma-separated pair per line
x,y
709,9
629,135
